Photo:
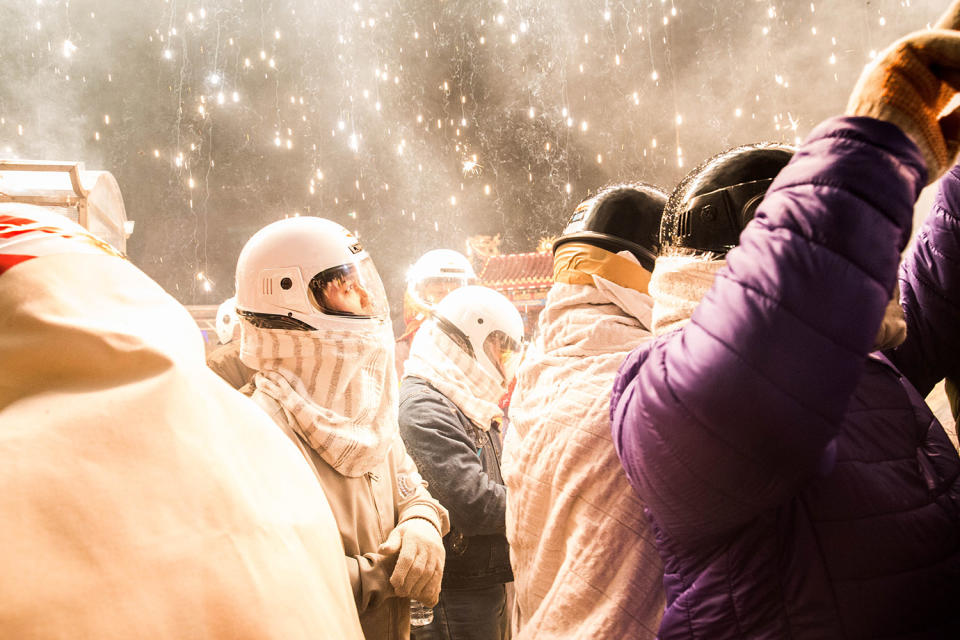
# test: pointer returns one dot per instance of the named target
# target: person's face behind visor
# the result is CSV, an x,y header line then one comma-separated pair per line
x,y
433,290
505,354
347,296
350,290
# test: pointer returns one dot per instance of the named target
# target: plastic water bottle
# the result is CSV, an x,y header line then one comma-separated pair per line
x,y
420,614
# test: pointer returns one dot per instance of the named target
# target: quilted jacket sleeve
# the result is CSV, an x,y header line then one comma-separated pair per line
x,y
728,416
930,293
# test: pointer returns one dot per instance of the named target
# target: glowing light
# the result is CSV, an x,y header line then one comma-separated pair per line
x,y
68,48
679,119
599,159
191,183
583,125
156,153
833,58
654,76
167,54
453,200
531,112
106,119
568,188
486,189
220,98
236,97
354,142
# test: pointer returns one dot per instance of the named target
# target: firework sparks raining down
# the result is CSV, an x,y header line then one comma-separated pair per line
x,y
415,124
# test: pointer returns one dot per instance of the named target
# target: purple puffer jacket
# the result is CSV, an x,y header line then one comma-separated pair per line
x,y
800,488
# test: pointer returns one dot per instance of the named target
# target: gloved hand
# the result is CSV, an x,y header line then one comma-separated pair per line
x,y
420,556
910,84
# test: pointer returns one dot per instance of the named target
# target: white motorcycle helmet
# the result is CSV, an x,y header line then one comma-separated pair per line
x,y
486,325
435,274
227,321
308,273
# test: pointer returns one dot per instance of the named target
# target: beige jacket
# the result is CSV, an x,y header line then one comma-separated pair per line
x,y
225,362
582,552
367,509
141,496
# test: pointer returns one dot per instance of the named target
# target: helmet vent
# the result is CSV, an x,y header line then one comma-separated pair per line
x,y
268,286
683,225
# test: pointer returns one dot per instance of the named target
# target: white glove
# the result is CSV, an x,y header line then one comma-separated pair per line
x,y
419,567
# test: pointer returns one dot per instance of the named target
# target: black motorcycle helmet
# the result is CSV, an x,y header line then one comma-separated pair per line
x,y
620,217
715,201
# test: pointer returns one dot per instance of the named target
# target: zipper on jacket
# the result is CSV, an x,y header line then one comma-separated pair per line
x,y
496,456
392,612
371,478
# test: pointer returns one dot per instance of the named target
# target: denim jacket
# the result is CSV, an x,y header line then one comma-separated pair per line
x,y
461,464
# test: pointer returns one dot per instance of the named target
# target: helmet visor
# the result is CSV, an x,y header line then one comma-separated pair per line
x,y
429,291
353,290
504,352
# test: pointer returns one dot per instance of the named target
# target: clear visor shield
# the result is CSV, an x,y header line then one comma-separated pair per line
x,y
353,290
429,291
504,352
